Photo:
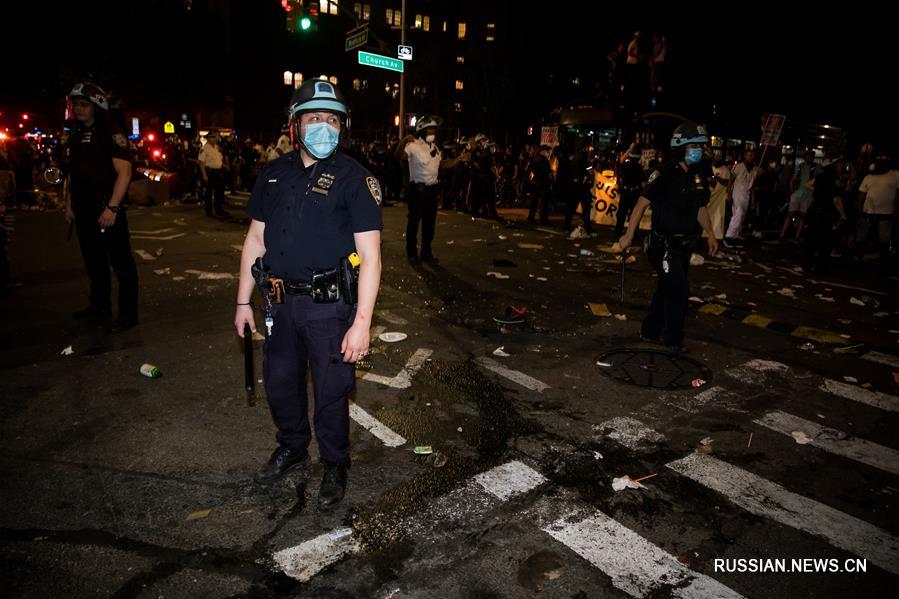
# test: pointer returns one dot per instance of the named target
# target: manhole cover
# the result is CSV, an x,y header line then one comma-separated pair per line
x,y
653,368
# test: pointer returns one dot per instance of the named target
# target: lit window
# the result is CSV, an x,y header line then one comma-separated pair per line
x,y
490,38
366,12
333,79
357,84
329,7
457,106
444,27
426,23
461,31
297,80
357,10
417,23
459,84
323,77
397,18
491,26
365,84
288,77
390,16
460,60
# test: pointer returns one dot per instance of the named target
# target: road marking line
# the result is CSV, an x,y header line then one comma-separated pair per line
x,y
156,232
819,335
307,559
757,320
635,565
375,427
166,238
629,432
716,309
767,499
403,380
510,479
392,318
840,285
884,401
834,441
311,557
754,371
880,358
513,375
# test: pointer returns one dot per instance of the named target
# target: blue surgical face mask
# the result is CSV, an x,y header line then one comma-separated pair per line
x,y
321,139
693,155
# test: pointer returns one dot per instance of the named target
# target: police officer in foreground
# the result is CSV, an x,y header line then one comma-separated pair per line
x,y
678,193
315,214
98,168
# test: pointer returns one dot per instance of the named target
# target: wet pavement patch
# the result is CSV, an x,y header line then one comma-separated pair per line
x,y
482,443
654,368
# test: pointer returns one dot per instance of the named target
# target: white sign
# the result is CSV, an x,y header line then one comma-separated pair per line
x,y
549,136
135,126
404,52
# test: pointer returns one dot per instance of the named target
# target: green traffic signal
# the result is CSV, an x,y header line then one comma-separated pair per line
x,y
305,23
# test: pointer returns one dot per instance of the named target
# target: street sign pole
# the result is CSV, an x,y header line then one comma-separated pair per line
x,y
403,73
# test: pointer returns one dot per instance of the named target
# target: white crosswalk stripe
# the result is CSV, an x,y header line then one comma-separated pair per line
x,y
876,399
635,565
765,498
881,358
520,378
834,441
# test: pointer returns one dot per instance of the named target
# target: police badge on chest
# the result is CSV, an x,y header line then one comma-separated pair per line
x,y
324,183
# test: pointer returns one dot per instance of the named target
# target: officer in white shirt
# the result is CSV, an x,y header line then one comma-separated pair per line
x,y
210,161
424,159
879,201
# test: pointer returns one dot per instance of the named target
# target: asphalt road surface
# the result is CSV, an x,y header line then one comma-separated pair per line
x,y
775,476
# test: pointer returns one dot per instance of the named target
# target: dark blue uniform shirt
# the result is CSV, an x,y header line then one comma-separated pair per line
x,y
90,151
311,213
676,196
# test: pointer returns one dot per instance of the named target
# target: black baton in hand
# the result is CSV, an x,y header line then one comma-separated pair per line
x,y
249,379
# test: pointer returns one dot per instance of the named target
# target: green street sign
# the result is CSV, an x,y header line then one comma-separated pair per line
x,y
380,62
360,38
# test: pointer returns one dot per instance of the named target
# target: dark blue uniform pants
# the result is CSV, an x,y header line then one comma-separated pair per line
x,y
668,308
422,201
309,335
100,250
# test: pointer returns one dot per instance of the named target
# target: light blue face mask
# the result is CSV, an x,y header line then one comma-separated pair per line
x,y
693,155
321,139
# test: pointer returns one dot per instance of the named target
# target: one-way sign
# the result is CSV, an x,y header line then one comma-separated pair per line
x,y
404,52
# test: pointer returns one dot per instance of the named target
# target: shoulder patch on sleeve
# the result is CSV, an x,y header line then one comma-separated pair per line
x,y
654,176
120,140
374,188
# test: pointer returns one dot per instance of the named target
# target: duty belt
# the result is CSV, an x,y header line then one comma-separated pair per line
x,y
297,288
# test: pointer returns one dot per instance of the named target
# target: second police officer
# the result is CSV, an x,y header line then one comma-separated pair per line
x,y
678,193
424,159
310,210
98,167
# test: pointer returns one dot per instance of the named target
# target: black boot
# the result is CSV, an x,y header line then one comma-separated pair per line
x,y
283,460
333,485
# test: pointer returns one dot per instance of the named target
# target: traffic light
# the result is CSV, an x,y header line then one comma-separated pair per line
x,y
301,16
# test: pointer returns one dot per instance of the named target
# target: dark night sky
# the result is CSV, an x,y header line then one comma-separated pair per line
x,y
821,67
